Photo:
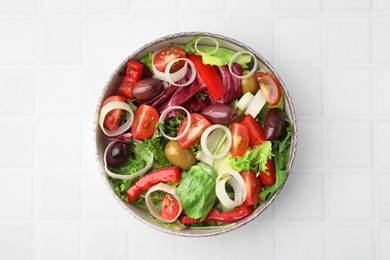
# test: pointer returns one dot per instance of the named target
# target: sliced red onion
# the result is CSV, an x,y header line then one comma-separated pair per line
x,y
233,59
237,183
164,115
112,106
204,139
130,176
174,77
207,39
152,209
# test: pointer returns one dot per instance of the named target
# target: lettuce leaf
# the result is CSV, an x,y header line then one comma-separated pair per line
x,y
254,160
196,190
268,192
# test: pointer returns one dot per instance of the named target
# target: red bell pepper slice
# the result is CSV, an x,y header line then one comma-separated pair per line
x,y
268,177
210,77
133,75
255,131
225,217
168,174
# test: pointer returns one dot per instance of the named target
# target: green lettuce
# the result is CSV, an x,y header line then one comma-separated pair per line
x,y
196,190
254,160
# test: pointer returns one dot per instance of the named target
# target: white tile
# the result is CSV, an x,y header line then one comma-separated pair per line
x,y
107,42
16,205
382,6
306,89
383,197
166,7
61,42
109,241
344,205
263,45
349,6
57,240
348,148
256,6
384,238
62,201
382,39
17,143
351,243
217,6
59,143
382,80
154,237
66,86
383,144
16,240
293,45
142,25
18,7
244,237
299,6
61,6
294,203
311,145
208,24
107,6
210,248
99,203
15,90
349,92
17,48
349,39
302,242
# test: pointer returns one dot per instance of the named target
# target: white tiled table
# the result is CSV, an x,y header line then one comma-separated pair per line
x,y
55,57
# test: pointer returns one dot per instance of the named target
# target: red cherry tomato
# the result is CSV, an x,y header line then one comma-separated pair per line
x,y
198,124
253,186
113,118
170,207
145,120
164,56
240,139
269,87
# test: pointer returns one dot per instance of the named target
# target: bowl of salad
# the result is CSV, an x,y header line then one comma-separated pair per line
x,y
195,134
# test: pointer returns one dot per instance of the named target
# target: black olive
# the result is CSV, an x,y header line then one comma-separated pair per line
x,y
147,89
117,154
274,124
220,114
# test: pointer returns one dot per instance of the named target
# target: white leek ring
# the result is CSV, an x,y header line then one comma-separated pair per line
x,y
173,77
130,176
164,76
244,101
152,209
206,38
233,59
164,115
237,183
112,106
205,135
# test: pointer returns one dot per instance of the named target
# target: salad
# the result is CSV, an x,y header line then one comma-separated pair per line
x,y
197,135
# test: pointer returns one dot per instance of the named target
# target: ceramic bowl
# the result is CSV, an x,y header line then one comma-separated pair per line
x,y
111,88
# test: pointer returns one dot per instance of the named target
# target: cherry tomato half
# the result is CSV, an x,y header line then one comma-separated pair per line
x,y
164,56
240,139
269,87
145,120
170,207
198,124
113,118
253,186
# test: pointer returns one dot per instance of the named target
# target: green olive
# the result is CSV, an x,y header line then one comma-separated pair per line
x,y
249,84
184,158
